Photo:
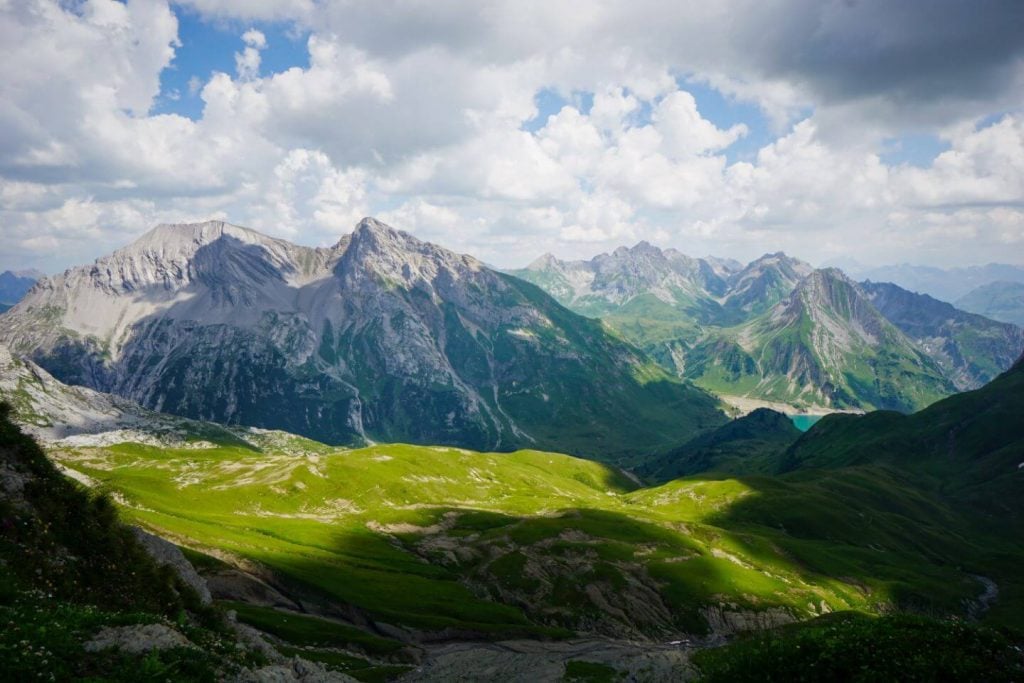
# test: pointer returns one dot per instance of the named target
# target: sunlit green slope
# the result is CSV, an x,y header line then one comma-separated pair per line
x,y
440,539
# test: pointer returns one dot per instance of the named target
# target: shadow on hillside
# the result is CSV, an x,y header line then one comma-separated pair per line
x,y
471,574
863,540
889,543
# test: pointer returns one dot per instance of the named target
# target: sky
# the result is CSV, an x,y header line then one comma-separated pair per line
x,y
841,131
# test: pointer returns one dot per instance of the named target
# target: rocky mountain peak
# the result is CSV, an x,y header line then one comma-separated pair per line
x,y
831,289
173,256
175,240
779,260
547,261
371,226
777,264
832,273
645,247
372,235
398,256
840,309
822,280
765,281
642,250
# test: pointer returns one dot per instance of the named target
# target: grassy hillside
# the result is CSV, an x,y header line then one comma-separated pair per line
x,y
69,568
968,447
867,514
449,541
632,406
749,444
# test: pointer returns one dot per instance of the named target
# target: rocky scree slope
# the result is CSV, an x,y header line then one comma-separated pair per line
x,y
381,337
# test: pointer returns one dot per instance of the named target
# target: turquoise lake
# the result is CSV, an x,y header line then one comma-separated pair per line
x,y
804,422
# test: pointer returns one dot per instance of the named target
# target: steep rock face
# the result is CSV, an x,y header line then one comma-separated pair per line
x,y
380,337
971,349
198,320
763,283
823,344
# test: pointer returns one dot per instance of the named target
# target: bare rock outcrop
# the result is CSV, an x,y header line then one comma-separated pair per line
x,y
166,553
137,639
726,622
295,670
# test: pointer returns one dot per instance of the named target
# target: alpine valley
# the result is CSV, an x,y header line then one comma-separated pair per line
x,y
386,461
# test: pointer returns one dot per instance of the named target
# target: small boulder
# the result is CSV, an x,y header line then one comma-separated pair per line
x,y
137,639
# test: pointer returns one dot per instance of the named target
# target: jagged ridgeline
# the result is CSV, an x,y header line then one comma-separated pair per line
x,y
779,330
381,337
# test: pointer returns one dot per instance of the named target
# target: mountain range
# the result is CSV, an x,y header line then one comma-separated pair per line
x,y
999,300
380,337
778,330
945,284
14,285
383,337
970,349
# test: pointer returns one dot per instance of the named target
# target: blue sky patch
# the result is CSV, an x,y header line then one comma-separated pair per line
x,y
210,46
914,149
725,112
